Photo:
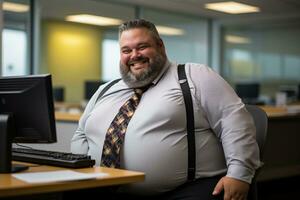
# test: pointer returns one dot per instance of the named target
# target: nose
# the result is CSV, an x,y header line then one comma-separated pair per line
x,y
135,53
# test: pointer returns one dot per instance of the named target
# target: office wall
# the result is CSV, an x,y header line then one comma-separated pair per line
x,y
71,52
269,55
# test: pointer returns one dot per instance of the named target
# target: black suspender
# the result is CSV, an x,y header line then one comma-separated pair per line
x,y
106,88
189,121
189,117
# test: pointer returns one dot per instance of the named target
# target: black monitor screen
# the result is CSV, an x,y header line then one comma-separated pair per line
x,y
90,88
26,111
247,90
59,94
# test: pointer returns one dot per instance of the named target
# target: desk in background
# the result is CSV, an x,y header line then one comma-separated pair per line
x,y
65,111
281,111
12,187
282,147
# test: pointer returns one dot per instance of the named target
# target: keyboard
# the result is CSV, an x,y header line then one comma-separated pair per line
x,y
53,158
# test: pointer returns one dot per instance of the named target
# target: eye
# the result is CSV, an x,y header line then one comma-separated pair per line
x,y
142,47
126,51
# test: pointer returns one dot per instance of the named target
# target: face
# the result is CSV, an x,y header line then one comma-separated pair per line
x,y
141,57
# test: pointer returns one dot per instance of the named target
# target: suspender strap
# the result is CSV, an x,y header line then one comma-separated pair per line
x,y
189,121
106,88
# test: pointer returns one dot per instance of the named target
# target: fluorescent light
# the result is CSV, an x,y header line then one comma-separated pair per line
x,y
15,7
232,7
165,30
94,20
237,39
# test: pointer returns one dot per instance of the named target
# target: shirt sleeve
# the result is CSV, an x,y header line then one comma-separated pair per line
x,y
229,120
79,142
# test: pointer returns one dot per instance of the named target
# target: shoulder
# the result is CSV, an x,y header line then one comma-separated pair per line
x,y
200,71
197,72
197,67
205,78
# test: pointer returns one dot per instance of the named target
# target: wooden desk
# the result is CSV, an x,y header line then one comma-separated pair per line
x,y
67,117
280,111
63,111
281,150
272,111
10,186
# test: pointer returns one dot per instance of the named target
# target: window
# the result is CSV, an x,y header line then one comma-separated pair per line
x,y
188,40
14,52
16,43
111,58
268,55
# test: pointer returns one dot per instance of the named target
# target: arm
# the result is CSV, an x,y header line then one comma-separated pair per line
x,y
234,127
79,142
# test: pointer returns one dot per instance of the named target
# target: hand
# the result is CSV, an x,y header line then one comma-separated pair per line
x,y
234,189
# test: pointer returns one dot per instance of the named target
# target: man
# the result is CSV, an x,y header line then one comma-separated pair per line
x,y
155,140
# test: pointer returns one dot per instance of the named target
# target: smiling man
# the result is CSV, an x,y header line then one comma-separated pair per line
x,y
142,56
147,132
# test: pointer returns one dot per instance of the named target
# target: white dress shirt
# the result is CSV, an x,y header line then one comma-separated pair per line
x,y
156,137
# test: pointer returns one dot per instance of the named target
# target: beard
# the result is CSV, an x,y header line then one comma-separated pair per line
x,y
147,76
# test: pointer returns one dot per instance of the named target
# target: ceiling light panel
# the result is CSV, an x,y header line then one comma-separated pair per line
x,y
15,7
232,7
237,39
166,30
94,20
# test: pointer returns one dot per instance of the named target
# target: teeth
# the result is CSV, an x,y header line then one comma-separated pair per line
x,y
132,64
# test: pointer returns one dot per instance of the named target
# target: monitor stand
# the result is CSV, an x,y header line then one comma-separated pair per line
x,y
7,132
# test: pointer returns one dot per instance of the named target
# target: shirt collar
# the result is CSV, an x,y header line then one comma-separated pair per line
x,y
163,71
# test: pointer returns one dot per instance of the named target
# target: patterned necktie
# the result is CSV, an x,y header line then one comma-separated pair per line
x,y
117,129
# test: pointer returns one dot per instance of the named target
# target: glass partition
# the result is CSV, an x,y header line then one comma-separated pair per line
x,y
88,52
15,38
269,55
74,52
186,37
73,46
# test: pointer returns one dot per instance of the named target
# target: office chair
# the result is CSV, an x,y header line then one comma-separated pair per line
x,y
261,123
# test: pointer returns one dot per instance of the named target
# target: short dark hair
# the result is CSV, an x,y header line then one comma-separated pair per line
x,y
140,23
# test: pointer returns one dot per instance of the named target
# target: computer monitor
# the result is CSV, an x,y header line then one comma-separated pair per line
x,y
90,87
248,92
290,91
26,114
59,94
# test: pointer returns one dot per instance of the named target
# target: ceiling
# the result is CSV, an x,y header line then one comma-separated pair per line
x,y
285,12
271,10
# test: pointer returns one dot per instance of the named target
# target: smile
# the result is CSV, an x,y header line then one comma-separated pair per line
x,y
138,62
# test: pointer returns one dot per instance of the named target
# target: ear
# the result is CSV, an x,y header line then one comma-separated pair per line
x,y
161,44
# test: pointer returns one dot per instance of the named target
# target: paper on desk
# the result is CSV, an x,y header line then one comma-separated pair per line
x,y
55,176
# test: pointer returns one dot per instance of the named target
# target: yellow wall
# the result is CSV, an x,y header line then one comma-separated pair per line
x,y
71,52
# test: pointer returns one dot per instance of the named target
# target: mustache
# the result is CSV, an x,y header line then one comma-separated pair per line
x,y
138,59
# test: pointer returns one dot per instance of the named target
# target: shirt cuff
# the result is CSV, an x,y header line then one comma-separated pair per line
x,y
241,173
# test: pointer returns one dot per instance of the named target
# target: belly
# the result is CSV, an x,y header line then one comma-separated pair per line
x,y
162,157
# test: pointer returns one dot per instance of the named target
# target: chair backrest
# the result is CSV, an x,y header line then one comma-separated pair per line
x,y
261,123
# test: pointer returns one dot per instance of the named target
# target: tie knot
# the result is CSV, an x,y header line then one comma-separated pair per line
x,y
138,91
141,90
